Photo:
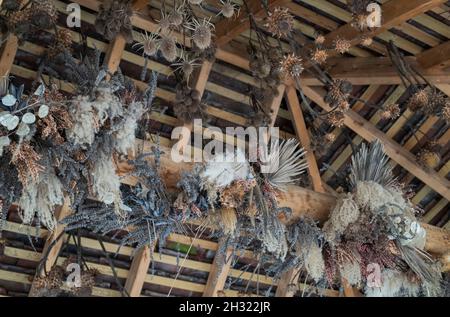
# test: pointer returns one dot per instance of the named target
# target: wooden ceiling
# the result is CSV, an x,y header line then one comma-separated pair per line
x,y
419,28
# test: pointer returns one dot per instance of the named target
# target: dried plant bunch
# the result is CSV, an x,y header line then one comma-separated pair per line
x,y
358,8
429,155
335,118
201,32
186,66
168,48
292,66
338,93
280,22
114,18
148,43
341,45
391,111
188,105
228,9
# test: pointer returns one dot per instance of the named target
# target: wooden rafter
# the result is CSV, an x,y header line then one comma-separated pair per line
x,y
394,13
8,54
395,151
436,57
138,271
218,274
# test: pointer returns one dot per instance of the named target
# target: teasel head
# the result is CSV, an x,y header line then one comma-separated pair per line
x,y
164,24
168,48
319,40
366,41
445,112
186,65
148,43
280,22
418,100
336,118
391,111
176,17
201,32
341,45
319,56
291,65
228,8
429,155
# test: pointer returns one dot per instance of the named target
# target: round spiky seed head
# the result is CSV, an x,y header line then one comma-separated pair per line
x,y
446,112
344,105
150,47
164,25
366,41
330,137
429,158
319,56
418,100
202,36
320,39
342,45
292,65
391,111
280,22
227,10
168,48
336,118
176,18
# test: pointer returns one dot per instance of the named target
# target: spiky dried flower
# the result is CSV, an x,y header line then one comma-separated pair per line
x,y
319,56
201,32
359,21
45,14
18,18
292,65
366,41
319,40
148,43
336,118
63,42
176,17
114,18
330,137
280,22
168,48
391,111
228,8
429,155
186,65
418,100
341,45
445,112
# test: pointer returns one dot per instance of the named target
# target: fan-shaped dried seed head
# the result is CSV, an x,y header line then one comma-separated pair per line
x,y
280,22
168,48
391,111
319,56
292,65
342,45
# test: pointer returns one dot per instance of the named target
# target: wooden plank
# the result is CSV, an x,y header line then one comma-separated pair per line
x,y
438,56
369,132
303,135
287,281
138,271
217,277
8,54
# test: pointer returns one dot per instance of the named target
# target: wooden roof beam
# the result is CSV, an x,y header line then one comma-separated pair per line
x,y
436,57
394,12
218,274
395,151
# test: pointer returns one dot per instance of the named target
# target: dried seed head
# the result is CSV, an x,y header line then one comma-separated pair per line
x,y
366,41
320,39
342,45
164,24
446,112
292,65
418,100
336,118
168,48
280,22
148,44
227,9
330,137
391,111
319,56
202,34
429,158
176,18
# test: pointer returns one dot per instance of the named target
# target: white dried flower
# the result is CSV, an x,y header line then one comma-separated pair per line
x,y
314,262
344,213
351,271
125,136
85,124
393,284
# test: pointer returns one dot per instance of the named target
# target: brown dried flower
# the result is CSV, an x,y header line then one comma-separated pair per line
x,y
418,100
319,40
336,118
291,65
26,160
330,137
280,22
319,56
366,41
446,112
391,111
342,45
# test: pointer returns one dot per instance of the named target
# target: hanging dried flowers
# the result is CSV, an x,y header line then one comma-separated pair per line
x,y
188,104
148,43
358,8
418,100
319,56
366,41
429,155
228,8
336,118
445,112
186,65
319,40
168,48
114,18
280,22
